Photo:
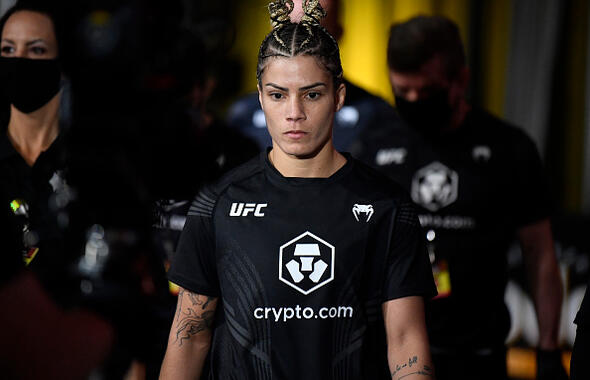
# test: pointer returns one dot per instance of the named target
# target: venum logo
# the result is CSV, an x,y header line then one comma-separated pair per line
x,y
482,153
435,186
306,263
243,209
367,210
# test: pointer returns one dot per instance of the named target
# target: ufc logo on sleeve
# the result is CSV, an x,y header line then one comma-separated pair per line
x,y
243,209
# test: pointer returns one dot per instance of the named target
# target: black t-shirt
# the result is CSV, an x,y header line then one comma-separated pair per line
x,y
33,195
474,188
301,266
361,111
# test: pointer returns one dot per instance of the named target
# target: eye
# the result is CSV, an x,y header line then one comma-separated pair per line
x,y
276,95
313,95
7,50
38,50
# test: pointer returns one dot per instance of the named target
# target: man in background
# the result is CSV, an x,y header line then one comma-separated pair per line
x,y
479,183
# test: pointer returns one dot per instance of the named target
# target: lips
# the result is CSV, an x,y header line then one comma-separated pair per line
x,y
295,134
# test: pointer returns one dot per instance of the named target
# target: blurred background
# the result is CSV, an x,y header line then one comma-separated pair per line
x,y
529,63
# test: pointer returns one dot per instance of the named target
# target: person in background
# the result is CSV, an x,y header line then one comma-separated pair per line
x,y
32,161
221,148
361,112
270,285
39,338
478,183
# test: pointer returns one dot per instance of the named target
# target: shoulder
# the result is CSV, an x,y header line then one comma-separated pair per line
x,y
375,183
492,126
206,200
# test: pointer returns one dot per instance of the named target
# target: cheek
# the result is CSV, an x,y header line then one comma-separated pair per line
x,y
455,95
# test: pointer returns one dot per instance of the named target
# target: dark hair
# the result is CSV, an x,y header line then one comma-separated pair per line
x,y
42,7
307,37
416,41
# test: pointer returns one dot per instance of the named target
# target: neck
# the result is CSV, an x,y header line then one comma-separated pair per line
x,y
33,133
321,165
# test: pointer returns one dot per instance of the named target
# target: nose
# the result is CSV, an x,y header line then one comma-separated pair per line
x,y
295,111
19,53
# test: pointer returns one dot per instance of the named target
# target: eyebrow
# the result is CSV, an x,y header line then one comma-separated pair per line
x,y
28,43
317,84
35,41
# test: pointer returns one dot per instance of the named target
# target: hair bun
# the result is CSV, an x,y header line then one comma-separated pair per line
x,y
279,12
312,12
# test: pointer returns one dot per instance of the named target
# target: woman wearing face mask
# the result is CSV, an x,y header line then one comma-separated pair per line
x,y
38,339
31,154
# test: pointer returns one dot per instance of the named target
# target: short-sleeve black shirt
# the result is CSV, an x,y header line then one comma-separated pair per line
x,y
474,187
301,266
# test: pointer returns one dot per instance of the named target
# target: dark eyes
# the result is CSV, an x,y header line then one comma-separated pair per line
x,y
313,95
33,50
38,50
7,50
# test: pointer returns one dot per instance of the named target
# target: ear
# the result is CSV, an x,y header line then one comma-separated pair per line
x,y
260,96
340,96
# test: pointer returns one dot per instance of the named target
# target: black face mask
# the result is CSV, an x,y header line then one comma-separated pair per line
x,y
28,84
431,115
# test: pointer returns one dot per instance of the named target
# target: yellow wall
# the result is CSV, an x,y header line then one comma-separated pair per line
x,y
364,43
367,22
495,41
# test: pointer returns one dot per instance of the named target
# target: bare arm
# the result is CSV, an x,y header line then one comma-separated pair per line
x,y
536,241
190,336
408,353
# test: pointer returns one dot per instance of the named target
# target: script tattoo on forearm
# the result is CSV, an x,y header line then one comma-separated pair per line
x,y
412,363
191,321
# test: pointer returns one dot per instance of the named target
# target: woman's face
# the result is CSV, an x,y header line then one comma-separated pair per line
x,y
299,101
28,34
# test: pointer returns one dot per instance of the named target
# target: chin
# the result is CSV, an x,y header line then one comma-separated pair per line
x,y
304,152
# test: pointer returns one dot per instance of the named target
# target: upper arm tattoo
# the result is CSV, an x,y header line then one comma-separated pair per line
x,y
413,370
193,318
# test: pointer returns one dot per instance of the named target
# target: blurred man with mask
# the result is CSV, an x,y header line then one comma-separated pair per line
x,y
479,184
361,112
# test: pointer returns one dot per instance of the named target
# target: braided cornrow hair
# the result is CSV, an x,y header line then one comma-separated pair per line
x,y
307,37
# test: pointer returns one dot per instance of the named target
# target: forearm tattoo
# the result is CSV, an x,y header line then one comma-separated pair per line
x,y
413,370
192,320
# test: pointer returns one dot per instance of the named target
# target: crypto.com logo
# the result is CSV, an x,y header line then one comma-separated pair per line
x,y
306,263
435,186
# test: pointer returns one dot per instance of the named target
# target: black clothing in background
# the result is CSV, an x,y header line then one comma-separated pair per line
x,y
225,149
11,262
38,189
475,186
